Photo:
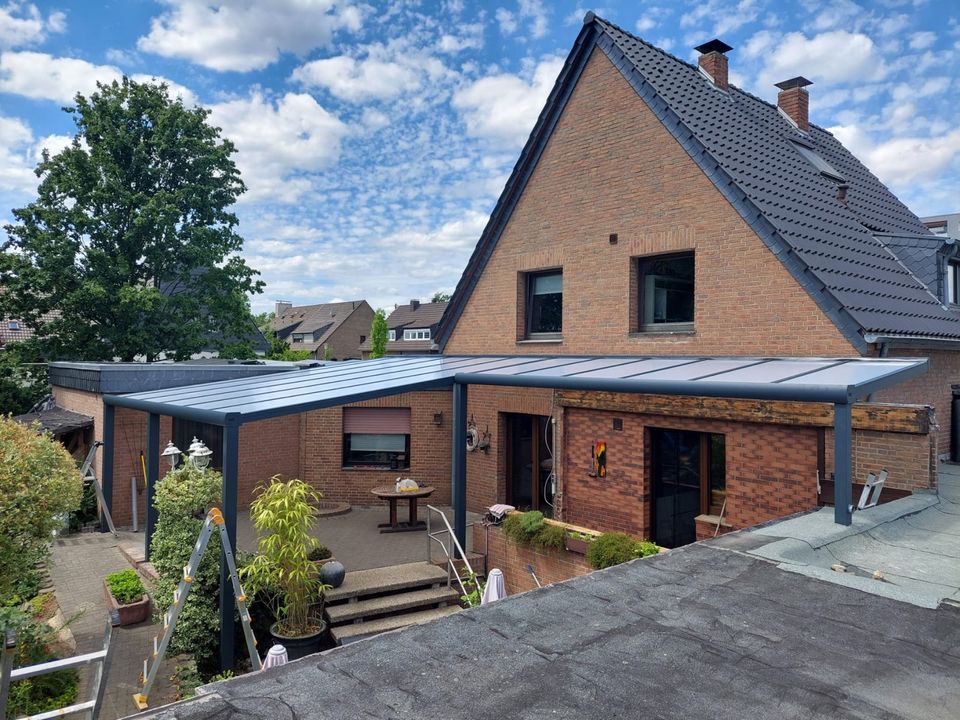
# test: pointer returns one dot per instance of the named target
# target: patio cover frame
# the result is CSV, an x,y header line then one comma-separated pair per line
x,y
232,403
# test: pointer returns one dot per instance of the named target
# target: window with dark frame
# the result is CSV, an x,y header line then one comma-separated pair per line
x,y
953,282
545,304
376,438
666,289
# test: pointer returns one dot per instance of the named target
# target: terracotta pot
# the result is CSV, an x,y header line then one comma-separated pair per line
x,y
130,614
576,545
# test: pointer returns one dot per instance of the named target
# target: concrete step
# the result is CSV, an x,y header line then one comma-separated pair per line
x,y
350,633
378,581
346,612
476,562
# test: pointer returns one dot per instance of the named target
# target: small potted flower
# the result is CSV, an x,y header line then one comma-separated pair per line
x,y
126,597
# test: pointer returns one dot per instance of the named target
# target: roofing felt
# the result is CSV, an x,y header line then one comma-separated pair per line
x,y
333,384
56,420
743,144
698,631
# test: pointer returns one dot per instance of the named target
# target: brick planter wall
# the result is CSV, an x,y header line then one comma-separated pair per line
x,y
550,565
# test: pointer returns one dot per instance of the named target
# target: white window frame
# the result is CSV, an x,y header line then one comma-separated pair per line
x,y
391,335
297,338
417,334
953,282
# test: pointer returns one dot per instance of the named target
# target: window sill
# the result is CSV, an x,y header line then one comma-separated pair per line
x,y
660,333
540,341
368,468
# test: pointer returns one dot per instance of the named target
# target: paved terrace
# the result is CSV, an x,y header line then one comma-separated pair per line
x,y
703,631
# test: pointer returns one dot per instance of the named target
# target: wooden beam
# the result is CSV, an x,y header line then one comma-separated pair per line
x,y
913,419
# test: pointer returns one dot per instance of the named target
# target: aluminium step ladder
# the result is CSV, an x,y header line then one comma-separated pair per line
x,y
86,471
214,522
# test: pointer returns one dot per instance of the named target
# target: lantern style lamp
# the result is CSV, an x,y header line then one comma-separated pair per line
x,y
200,455
172,453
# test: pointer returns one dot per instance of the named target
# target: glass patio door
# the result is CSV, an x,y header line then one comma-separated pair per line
x,y
676,485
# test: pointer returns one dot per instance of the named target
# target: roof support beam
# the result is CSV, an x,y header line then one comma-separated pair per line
x,y
843,463
153,476
458,465
106,474
231,464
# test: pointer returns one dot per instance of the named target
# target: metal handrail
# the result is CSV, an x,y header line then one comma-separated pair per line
x,y
451,565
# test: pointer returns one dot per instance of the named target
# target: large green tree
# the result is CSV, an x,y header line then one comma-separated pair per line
x,y
131,243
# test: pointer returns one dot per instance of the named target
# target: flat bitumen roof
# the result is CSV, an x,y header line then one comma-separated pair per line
x,y
702,631
912,544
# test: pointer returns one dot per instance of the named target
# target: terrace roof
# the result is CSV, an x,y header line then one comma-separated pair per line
x,y
834,380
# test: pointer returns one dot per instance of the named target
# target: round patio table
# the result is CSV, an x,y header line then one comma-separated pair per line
x,y
391,495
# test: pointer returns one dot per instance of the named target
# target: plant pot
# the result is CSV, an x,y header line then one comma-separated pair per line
x,y
576,545
130,614
298,647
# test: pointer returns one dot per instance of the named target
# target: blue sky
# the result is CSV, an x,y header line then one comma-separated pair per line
x,y
375,138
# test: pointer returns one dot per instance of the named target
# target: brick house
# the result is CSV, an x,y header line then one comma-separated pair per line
x,y
658,210
337,329
410,329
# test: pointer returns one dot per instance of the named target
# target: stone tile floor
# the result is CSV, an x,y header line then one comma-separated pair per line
x,y
77,568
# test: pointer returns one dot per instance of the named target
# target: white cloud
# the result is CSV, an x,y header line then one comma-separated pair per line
x,y
922,40
357,80
835,56
279,142
505,107
45,77
532,11
901,161
23,24
245,35
16,170
722,18
645,23
839,13
470,38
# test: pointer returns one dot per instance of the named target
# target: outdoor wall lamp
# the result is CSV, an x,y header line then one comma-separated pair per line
x,y
200,455
173,453
438,418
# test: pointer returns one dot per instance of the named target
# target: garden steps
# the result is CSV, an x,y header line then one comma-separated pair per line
x,y
382,599
383,605
350,633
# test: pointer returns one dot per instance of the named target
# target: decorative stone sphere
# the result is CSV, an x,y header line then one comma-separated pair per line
x,y
332,573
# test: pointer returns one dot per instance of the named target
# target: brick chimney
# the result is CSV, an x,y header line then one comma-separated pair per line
x,y
794,101
713,61
414,304
281,307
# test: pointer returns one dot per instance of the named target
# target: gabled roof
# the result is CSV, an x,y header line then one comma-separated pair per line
x,y
322,320
406,317
749,150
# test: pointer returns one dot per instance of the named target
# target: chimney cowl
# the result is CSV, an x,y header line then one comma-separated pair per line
x,y
713,62
794,101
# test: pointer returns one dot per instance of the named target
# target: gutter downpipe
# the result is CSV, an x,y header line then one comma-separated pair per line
x,y
884,351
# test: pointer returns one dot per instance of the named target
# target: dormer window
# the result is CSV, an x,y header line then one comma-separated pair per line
x,y
392,335
953,282
297,337
418,334
13,325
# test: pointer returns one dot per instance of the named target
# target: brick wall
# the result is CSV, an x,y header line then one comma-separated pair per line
x,y
910,459
345,341
933,388
267,447
550,565
611,167
770,472
322,450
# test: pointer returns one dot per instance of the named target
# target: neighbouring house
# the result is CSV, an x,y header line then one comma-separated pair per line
x,y
948,224
13,330
411,329
333,331
659,216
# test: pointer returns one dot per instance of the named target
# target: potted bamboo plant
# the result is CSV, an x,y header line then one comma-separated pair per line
x,y
283,514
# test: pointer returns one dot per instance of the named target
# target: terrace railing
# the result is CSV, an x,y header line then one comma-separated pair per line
x,y
453,551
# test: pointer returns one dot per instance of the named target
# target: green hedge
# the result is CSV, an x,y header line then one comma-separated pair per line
x,y
530,528
614,548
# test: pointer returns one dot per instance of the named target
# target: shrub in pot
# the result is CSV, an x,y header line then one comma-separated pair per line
x,y
283,514
578,542
127,598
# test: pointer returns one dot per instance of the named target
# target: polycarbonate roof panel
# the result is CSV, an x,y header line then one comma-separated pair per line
x,y
255,398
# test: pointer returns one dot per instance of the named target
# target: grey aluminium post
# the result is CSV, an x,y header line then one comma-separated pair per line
x,y
153,475
106,476
842,463
458,480
231,452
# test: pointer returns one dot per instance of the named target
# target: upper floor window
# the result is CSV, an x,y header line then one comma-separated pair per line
x,y
363,338
544,304
953,282
13,325
421,334
666,292
392,335
298,338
